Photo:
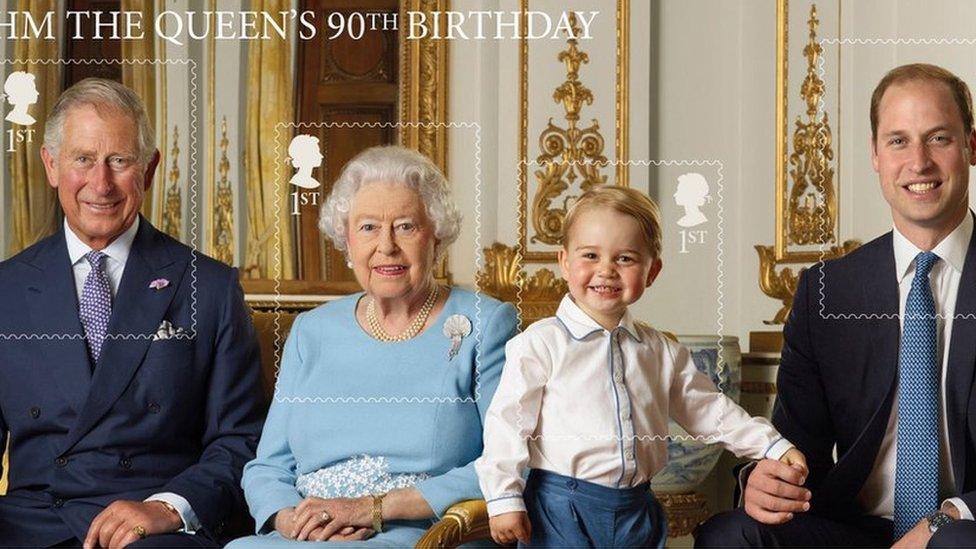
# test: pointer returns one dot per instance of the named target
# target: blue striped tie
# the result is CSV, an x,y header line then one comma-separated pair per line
x,y
917,460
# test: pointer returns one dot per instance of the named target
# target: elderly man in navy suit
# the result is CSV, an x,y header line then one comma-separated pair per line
x,y
880,353
129,368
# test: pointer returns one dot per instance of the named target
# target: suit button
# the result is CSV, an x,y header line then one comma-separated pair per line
x,y
61,461
125,463
35,412
153,408
58,503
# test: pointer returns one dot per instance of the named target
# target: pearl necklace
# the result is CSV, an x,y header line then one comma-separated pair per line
x,y
412,330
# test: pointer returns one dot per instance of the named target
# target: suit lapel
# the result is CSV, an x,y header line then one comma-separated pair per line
x,y
136,314
959,370
52,310
881,296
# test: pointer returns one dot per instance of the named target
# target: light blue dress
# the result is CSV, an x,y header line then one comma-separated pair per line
x,y
354,416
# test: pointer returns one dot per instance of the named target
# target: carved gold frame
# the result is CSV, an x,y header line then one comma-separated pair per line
x,y
783,211
423,88
781,284
537,294
621,123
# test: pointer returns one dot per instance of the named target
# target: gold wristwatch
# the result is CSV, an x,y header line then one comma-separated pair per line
x,y
378,513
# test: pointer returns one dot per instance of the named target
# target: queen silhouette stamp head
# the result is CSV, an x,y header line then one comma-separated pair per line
x,y
305,156
691,195
21,93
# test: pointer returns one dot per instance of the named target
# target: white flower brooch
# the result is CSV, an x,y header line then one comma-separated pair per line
x,y
456,327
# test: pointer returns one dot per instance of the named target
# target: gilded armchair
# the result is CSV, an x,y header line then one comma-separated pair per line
x,y
463,523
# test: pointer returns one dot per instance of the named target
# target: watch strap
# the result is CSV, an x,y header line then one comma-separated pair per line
x,y
937,520
378,513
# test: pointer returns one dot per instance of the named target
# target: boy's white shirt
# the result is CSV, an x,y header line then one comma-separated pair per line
x,y
572,403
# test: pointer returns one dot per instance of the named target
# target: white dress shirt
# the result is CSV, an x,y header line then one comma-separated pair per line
x,y
592,404
877,496
118,253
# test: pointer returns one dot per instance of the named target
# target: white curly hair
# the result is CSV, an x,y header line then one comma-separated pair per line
x,y
399,165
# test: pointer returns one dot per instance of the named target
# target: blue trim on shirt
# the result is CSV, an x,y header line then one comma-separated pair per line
x,y
620,426
570,332
770,447
502,497
623,376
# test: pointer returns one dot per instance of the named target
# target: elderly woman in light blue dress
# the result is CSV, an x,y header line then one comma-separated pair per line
x,y
381,397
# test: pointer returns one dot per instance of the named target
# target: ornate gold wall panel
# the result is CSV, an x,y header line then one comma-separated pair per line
x,y
622,102
173,204
807,208
223,211
570,155
562,153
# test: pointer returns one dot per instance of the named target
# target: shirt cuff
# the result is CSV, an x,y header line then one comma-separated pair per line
x,y
779,447
744,473
505,504
958,503
190,521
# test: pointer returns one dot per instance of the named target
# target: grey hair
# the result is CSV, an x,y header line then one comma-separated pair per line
x,y
398,165
100,93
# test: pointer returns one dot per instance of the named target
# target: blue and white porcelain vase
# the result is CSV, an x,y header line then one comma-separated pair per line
x,y
689,460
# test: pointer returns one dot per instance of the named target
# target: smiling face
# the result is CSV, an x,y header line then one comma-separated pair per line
x,y
391,241
922,155
606,263
98,174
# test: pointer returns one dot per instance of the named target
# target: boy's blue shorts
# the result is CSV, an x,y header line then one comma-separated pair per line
x,y
569,512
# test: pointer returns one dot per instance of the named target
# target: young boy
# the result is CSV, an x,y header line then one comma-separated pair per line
x,y
585,396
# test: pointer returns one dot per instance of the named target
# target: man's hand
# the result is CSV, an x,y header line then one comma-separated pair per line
x,y
121,523
506,528
775,491
918,536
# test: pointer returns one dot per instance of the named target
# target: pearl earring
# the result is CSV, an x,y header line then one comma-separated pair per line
x,y
349,264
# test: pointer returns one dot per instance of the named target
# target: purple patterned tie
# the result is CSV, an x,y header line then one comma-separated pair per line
x,y
96,304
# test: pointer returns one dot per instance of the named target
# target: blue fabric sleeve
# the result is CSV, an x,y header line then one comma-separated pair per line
x,y
461,483
269,480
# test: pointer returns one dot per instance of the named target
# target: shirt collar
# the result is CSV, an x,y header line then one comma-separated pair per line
x,y
952,249
580,325
117,250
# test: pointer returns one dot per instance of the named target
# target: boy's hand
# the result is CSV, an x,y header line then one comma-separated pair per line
x,y
795,459
508,528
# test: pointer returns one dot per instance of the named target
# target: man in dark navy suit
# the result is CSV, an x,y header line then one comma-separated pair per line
x,y
129,368
879,354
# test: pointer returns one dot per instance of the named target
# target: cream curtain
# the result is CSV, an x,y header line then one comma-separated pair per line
x,y
141,77
33,206
270,252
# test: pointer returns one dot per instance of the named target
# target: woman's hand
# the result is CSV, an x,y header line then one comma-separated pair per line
x,y
508,528
284,522
318,519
